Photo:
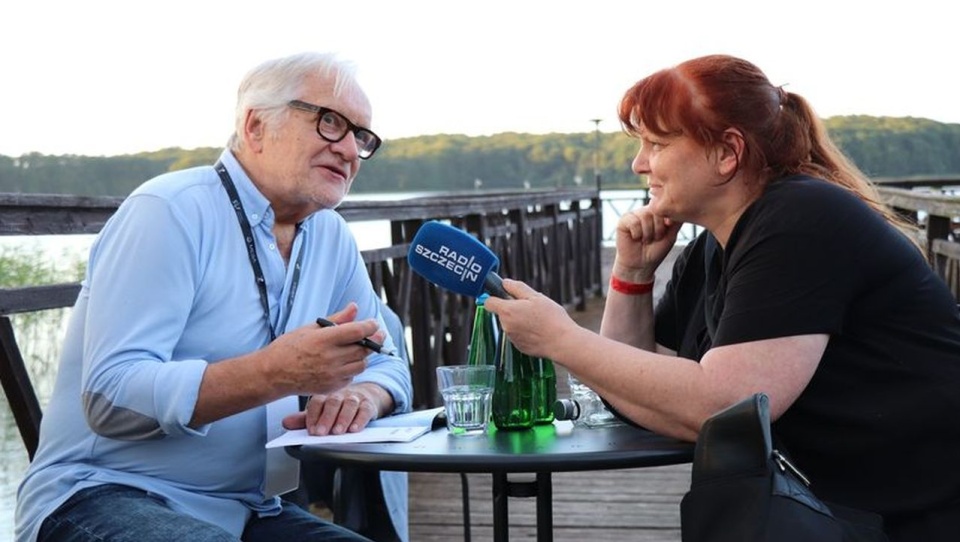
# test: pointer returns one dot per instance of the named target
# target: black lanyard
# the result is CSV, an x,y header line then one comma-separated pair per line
x,y
252,253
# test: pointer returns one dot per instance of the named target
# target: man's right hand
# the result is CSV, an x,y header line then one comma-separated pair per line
x,y
314,359
305,361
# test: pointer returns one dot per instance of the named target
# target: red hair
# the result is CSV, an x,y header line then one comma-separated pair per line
x,y
703,97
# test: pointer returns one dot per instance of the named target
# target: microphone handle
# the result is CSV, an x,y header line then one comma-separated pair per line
x,y
493,285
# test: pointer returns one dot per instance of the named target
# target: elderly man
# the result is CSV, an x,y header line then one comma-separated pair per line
x,y
195,332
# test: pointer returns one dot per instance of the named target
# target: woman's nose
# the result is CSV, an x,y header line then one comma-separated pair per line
x,y
640,164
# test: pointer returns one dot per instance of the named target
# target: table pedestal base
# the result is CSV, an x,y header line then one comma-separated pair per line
x,y
540,487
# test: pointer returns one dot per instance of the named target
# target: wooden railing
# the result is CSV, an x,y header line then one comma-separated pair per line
x,y
548,238
933,203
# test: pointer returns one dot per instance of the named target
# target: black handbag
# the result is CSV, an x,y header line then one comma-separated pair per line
x,y
744,490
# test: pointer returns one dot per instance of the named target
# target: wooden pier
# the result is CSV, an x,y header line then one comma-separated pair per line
x,y
639,505
551,240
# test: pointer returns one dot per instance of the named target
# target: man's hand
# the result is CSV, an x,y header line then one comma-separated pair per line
x,y
313,359
308,360
348,409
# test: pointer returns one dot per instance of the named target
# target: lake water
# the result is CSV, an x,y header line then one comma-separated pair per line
x,y
39,342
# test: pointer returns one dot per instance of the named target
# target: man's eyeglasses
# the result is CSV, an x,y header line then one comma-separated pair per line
x,y
333,127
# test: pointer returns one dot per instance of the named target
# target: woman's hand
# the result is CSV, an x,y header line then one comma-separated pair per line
x,y
643,241
533,321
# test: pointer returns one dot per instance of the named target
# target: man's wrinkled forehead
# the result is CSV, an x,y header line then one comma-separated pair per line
x,y
348,97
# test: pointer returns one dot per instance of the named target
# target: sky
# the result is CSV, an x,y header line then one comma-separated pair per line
x,y
104,77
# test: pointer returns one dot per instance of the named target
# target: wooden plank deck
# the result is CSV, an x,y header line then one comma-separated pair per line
x,y
641,505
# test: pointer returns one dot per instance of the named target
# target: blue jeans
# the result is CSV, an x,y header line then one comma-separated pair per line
x,y
126,514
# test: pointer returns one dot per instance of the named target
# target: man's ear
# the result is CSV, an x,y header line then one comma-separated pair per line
x,y
730,152
253,131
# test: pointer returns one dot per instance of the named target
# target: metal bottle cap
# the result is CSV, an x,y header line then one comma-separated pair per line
x,y
566,409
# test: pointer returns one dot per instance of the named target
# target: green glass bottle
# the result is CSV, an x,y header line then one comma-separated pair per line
x,y
483,338
545,390
513,392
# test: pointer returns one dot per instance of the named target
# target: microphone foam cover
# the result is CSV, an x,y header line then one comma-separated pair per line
x,y
451,258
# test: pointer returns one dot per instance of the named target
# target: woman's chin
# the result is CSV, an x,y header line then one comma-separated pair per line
x,y
657,205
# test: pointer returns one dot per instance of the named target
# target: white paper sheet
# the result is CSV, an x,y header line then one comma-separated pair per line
x,y
398,428
369,434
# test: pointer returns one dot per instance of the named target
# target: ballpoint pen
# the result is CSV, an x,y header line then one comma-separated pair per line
x,y
364,342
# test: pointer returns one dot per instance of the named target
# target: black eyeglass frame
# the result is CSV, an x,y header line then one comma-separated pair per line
x,y
364,154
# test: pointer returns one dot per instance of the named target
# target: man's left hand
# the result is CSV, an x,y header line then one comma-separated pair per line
x,y
348,409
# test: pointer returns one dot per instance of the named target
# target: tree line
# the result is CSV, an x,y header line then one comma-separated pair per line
x,y
880,146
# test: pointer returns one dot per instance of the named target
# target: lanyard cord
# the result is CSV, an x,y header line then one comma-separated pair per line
x,y
252,253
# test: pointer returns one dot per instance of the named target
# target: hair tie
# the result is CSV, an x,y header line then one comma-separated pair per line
x,y
782,94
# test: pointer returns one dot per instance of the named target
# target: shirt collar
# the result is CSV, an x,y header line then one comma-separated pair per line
x,y
255,204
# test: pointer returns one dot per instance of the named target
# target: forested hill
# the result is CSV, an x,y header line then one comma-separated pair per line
x,y
881,146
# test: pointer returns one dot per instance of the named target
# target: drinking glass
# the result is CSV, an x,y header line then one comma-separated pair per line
x,y
467,391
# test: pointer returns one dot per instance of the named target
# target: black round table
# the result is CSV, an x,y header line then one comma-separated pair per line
x,y
546,449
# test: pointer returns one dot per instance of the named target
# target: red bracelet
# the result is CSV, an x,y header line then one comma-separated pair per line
x,y
630,288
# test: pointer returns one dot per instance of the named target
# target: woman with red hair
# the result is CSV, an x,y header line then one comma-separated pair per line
x,y
803,285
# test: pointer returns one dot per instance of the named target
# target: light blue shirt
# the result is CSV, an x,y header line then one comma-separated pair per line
x,y
169,289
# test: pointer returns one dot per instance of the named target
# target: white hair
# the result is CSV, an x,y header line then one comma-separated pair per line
x,y
269,86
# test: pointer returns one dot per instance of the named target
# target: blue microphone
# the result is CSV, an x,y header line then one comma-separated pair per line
x,y
455,260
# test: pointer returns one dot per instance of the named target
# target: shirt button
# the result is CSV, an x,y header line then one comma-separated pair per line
x,y
255,216
273,246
